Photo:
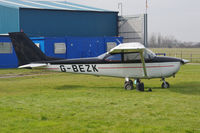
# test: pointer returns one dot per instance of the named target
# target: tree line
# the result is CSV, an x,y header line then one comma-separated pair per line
x,y
160,41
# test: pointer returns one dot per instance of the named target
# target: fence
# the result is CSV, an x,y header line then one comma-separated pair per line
x,y
191,54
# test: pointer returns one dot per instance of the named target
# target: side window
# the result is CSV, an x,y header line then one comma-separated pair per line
x,y
59,48
5,48
111,45
114,58
132,56
37,44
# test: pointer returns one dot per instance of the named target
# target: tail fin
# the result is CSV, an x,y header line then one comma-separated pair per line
x,y
25,49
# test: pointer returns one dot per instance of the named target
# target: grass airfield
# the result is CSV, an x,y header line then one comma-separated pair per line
x,y
34,101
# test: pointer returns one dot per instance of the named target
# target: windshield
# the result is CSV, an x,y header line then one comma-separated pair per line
x,y
102,55
148,54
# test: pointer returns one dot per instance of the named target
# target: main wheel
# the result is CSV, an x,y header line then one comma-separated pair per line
x,y
165,85
140,86
128,85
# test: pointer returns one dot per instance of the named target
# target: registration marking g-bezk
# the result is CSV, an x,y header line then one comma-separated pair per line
x,y
80,68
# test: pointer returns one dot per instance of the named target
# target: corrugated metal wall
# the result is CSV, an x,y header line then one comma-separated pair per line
x,y
39,22
8,60
131,28
9,19
76,47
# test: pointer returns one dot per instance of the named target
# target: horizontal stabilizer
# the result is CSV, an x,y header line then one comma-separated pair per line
x,y
32,65
185,61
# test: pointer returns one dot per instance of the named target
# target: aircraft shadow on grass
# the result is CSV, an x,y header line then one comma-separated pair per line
x,y
71,87
68,87
188,88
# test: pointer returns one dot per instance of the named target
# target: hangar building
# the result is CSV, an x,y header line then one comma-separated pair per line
x,y
60,28
56,18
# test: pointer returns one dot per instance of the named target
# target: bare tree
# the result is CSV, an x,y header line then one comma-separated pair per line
x,y
159,41
152,41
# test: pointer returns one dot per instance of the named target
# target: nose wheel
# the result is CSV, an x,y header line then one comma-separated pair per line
x,y
165,84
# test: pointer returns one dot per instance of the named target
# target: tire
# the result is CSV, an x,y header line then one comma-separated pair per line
x,y
140,86
165,85
128,85
131,82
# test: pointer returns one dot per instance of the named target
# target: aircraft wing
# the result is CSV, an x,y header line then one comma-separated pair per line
x,y
131,47
127,47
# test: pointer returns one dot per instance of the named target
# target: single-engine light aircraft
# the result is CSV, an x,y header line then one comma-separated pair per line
x,y
127,60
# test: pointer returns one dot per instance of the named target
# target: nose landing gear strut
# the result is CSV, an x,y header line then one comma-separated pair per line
x,y
165,84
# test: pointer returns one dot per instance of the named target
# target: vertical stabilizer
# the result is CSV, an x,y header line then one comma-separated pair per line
x,y
25,49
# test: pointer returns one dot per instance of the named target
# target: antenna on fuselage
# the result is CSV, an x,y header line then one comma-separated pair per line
x,y
118,41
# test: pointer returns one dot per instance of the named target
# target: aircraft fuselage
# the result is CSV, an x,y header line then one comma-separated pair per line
x,y
156,68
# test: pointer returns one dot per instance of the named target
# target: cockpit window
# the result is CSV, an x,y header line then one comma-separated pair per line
x,y
127,57
148,54
114,58
131,56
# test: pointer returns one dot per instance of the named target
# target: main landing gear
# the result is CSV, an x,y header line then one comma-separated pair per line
x,y
139,85
165,84
128,85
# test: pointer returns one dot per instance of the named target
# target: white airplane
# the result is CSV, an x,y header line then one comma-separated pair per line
x,y
127,60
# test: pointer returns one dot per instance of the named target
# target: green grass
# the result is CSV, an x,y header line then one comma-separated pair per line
x,y
191,54
67,103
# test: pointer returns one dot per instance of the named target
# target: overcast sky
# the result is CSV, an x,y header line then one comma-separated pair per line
x,y
180,18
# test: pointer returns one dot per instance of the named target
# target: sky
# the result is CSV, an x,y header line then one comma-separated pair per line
x,y
178,18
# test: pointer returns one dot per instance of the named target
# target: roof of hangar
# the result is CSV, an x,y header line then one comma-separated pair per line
x,y
48,4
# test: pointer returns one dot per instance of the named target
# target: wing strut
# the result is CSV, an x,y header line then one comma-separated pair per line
x,y
143,62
